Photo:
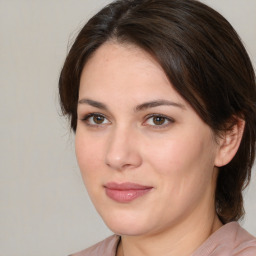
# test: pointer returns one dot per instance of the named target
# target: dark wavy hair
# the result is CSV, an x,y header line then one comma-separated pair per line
x,y
205,61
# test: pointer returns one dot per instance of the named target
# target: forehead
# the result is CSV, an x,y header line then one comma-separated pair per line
x,y
116,54
124,69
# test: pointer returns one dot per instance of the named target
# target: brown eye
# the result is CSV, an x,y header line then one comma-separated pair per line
x,y
94,119
97,119
159,120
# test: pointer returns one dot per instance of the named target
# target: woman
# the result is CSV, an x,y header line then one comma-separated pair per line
x,y
161,95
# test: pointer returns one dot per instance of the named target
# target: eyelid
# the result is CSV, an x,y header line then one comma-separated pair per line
x,y
169,119
86,116
89,115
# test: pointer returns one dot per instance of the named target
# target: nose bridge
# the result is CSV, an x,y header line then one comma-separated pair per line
x,y
122,151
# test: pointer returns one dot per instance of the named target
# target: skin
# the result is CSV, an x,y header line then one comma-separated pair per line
x,y
178,157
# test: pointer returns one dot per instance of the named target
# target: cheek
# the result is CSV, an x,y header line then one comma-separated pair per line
x,y
187,149
183,163
172,155
89,155
184,171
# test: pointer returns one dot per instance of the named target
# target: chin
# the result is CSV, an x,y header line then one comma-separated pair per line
x,y
126,223
127,229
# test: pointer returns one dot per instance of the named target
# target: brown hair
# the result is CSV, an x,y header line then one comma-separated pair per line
x,y
205,61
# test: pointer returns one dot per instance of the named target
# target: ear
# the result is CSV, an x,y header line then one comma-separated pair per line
x,y
229,142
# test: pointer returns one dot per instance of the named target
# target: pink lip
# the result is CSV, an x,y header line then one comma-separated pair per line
x,y
125,192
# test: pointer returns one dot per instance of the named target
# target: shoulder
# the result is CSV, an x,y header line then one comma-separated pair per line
x,y
244,243
230,239
107,247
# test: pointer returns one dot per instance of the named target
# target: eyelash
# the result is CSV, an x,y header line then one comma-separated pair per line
x,y
86,118
168,119
161,126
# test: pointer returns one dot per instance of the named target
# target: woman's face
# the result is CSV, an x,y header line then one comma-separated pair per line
x,y
147,159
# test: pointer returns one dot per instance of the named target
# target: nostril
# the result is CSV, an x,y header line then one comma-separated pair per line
x,y
123,161
121,151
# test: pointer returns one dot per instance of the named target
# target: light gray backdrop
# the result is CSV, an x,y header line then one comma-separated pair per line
x,y
44,209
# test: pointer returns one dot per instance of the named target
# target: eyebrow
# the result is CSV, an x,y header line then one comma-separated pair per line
x,y
157,103
141,107
93,103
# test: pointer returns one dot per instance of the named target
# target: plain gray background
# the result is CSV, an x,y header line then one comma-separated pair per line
x,y
44,208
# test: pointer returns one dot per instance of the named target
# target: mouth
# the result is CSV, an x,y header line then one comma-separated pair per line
x,y
125,192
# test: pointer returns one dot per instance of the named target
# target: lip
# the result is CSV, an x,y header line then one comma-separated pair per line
x,y
125,192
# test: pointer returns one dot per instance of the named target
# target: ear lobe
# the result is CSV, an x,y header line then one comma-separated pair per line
x,y
229,143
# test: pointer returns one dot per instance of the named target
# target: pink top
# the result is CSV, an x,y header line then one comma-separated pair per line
x,y
229,240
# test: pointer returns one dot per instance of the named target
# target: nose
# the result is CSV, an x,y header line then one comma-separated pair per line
x,y
123,150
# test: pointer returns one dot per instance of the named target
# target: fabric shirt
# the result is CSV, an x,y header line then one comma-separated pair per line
x,y
230,240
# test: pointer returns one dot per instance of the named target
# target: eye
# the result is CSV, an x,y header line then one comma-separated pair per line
x,y
159,120
95,119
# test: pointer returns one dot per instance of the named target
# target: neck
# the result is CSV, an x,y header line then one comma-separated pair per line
x,y
181,239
